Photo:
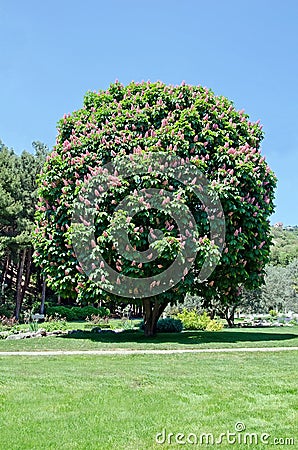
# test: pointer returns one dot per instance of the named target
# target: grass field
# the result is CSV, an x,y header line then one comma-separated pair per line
x,y
122,402
228,338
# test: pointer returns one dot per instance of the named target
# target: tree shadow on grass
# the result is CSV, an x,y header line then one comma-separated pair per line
x,y
184,338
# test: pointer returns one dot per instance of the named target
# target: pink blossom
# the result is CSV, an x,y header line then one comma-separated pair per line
x,y
79,269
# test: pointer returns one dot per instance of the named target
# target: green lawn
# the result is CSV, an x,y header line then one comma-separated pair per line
x,y
122,402
228,338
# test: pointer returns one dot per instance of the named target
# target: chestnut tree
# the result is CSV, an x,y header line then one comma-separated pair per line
x,y
110,148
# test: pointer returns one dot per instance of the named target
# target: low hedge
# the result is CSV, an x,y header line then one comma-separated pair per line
x,y
167,325
73,313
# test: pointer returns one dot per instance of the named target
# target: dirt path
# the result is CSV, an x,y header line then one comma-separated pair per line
x,y
147,352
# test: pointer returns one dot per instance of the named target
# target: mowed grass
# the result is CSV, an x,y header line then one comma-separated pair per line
x,y
122,402
228,338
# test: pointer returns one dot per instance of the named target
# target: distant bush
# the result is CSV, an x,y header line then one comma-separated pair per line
x,y
214,325
76,312
191,320
89,311
63,312
168,325
5,311
54,325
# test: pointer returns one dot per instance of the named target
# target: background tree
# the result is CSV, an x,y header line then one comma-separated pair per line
x,y
17,207
285,245
187,121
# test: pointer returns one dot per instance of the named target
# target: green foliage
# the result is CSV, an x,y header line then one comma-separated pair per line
x,y
167,325
214,325
18,194
54,325
127,324
18,198
193,321
278,292
5,310
33,326
88,311
285,246
62,311
74,313
190,319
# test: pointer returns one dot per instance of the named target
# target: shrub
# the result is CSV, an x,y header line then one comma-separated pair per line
x,y
63,311
54,325
89,311
193,321
5,311
190,319
214,325
8,322
168,325
76,312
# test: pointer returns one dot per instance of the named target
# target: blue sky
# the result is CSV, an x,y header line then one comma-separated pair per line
x,y
52,52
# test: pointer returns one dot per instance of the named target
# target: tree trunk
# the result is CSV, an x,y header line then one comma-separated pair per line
x,y
152,312
212,313
229,314
4,274
10,273
28,272
19,290
43,295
